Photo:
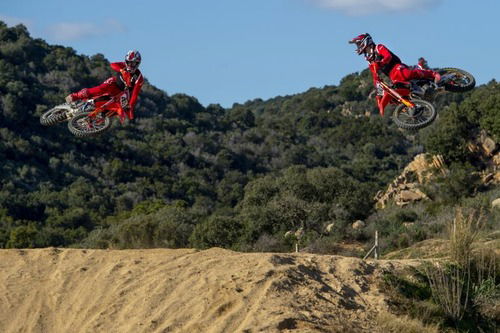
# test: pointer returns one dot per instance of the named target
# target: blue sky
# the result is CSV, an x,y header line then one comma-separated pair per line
x,y
227,51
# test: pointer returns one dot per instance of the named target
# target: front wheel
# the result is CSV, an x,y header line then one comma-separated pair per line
x,y
82,125
55,115
420,116
457,80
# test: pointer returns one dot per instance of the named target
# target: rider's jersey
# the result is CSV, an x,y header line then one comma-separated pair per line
x,y
126,80
385,59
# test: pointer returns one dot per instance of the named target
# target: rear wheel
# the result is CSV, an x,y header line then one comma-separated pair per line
x,y
420,116
55,115
457,80
82,125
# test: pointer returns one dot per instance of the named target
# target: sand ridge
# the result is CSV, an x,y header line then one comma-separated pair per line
x,y
185,290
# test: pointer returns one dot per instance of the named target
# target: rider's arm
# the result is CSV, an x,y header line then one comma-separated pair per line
x,y
384,55
82,94
117,66
136,91
374,68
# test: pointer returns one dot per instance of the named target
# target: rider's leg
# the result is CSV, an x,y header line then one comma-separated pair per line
x,y
406,74
382,102
108,87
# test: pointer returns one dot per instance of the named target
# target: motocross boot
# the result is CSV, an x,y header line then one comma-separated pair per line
x,y
417,90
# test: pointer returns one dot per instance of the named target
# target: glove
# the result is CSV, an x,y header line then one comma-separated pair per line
x,y
129,112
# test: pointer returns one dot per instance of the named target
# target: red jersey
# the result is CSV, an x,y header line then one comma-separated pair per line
x,y
126,80
385,59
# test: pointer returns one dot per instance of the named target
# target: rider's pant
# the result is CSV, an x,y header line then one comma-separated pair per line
x,y
403,73
108,87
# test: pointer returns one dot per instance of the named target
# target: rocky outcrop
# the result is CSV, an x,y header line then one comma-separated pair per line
x,y
496,203
488,145
358,225
483,145
487,151
405,188
491,175
407,196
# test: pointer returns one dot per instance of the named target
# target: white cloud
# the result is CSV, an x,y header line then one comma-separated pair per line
x,y
367,7
12,21
66,31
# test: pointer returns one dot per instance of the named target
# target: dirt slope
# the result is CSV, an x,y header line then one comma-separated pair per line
x,y
70,290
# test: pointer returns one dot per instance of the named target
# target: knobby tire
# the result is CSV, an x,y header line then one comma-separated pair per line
x,y
466,83
55,115
422,119
83,126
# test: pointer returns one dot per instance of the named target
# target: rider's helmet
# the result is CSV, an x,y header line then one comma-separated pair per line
x,y
362,42
422,63
132,60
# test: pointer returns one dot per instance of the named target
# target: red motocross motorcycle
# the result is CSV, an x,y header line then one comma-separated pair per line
x,y
90,117
414,109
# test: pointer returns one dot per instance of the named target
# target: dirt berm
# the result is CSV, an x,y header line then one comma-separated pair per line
x,y
162,290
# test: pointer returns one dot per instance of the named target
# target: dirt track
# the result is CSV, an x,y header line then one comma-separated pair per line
x,y
161,290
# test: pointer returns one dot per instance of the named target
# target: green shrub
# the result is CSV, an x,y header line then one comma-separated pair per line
x,y
23,236
216,231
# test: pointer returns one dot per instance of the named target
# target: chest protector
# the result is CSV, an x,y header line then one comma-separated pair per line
x,y
386,69
125,80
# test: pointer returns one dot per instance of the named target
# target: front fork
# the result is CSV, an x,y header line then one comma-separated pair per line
x,y
75,108
71,112
390,95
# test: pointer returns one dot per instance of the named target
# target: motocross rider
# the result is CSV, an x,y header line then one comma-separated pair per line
x,y
422,63
128,77
383,60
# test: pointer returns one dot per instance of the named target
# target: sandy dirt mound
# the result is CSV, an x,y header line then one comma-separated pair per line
x,y
70,290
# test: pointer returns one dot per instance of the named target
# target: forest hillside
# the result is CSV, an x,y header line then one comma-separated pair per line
x,y
186,175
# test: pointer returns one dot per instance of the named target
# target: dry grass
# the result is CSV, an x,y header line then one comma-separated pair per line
x,y
451,284
389,323
463,231
486,292
450,287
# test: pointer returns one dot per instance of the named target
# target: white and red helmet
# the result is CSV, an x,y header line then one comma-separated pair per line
x,y
362,42
132,60
422,63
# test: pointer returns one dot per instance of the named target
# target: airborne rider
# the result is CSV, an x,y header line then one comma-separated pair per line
x,y
383,60
128,77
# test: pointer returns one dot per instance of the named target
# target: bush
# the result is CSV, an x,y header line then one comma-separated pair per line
x,y
267,243
451,138
216,231
149,225
23,236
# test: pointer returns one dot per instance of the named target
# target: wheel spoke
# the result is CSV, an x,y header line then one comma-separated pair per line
x,y
422,115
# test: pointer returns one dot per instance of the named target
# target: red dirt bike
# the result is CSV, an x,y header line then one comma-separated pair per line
x,y
90,117
413,100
